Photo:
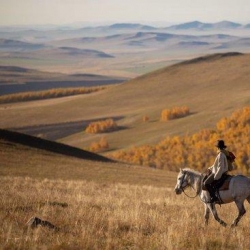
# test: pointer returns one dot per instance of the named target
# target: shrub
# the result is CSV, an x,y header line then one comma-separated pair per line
x,y
99,146
174,113
101,126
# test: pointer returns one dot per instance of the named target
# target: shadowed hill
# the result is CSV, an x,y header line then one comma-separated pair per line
x,y
15,79
51,146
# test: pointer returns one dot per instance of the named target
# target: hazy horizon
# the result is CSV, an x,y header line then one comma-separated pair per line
x,y
63,12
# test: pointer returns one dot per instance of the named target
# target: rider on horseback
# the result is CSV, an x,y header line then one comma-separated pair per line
x,y
216,171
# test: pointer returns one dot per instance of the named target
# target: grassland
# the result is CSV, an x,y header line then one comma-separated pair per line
x,y
91,215
114,205
99,205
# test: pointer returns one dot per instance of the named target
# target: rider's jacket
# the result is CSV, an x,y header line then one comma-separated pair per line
x,y
220,165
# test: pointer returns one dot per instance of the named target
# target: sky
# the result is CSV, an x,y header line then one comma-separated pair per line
x,y
36,12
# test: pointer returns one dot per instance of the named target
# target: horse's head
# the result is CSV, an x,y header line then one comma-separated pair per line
x,y
182,182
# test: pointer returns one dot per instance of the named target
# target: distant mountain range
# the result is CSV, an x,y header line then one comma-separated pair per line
x,y
183,26
131,26
204,26
41,36
120,49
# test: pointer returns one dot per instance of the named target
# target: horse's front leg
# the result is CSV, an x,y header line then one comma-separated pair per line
x,y
242,211
206,215
213,210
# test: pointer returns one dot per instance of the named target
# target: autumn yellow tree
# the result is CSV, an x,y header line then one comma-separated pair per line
x,y
198,150
174,113
99,146
103,126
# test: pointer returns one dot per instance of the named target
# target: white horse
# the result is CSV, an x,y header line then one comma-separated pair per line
x,y
238,192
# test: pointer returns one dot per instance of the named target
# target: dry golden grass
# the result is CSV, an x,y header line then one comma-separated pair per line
x,y
19,160
90,215
99,205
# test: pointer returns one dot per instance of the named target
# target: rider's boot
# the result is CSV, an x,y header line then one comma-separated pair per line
x,y
211,191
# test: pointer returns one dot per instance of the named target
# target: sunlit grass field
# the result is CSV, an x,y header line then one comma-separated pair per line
x,y
92,215
97,205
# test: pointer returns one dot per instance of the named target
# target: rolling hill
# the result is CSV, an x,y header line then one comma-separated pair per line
x,y
54,147
27,156
146,39
15,45
19,79
65,52
120,49
212,87
46,34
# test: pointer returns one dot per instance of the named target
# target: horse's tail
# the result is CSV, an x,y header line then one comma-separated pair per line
x,y
248,198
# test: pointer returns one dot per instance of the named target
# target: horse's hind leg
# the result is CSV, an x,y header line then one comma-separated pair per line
x,y
206,215
242,211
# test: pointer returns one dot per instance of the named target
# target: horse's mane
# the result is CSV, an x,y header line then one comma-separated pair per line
x,y
192,175
189,170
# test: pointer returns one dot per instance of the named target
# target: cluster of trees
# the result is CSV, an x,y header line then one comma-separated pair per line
x,y
197,151
176,112
101,145
46,94
103,126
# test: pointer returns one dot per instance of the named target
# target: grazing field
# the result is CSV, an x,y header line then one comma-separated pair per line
x,y
92,215
100,205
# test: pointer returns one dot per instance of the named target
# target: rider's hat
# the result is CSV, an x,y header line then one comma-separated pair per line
x,y
220,144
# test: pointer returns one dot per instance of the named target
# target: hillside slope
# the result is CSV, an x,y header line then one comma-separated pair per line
x,y
212,87
50,146
21,159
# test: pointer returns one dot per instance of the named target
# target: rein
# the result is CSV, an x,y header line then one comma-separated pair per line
x,y
183,189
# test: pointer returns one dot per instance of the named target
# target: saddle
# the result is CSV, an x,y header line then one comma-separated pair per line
x,y
221,184
216,186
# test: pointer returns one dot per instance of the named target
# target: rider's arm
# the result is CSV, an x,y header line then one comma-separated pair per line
x,y
221,166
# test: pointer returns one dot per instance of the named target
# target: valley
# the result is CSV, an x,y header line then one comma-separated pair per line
x,y
121,50
16,80
198,84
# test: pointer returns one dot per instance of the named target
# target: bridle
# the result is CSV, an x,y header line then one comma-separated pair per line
x,y
183,188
